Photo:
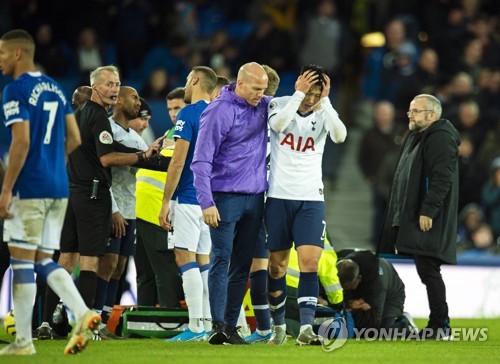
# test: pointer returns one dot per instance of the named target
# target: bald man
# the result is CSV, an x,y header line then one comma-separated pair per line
x,y
80,96
229,170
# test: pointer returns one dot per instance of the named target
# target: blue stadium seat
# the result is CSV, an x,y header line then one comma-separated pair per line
x,y
240,30
287,84
69,84
110,53
210,19
160,121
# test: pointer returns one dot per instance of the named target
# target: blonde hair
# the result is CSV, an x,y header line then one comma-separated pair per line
x,y
94,75
274,80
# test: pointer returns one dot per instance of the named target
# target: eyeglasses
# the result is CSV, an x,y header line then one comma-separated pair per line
x,y
415,111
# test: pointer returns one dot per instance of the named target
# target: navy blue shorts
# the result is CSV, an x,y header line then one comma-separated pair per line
x,y
124,245
261,250
291,221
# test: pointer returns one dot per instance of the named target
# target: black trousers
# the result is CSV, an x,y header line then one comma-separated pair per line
x,y
158,277
4,259
429,271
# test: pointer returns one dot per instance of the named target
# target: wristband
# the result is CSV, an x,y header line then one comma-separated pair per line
x,y
140,157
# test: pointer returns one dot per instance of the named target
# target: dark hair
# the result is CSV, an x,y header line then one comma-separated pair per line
x,y
318,69
18,34
222,81
144,110
176,93
21,35
348,271
208,77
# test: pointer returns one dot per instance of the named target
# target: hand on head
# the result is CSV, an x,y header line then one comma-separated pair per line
x,y
326,86
305,81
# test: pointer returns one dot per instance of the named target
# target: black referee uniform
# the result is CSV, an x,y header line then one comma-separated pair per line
x,y
87,225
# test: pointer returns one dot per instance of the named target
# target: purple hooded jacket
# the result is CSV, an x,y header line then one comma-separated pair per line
x,y
230,154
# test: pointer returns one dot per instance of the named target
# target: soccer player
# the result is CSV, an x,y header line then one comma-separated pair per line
x,y
121,245
229,169
192,236
175,102
44,131
295,203
80,96
141,122
260,262
4,249
221,82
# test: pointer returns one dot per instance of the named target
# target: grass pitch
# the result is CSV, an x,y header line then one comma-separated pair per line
x,y
138,351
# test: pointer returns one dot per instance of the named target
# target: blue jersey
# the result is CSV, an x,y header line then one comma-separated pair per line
x,y
41,101
188,123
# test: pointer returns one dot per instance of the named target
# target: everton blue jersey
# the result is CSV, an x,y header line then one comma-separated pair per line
x,y
41,101
188,123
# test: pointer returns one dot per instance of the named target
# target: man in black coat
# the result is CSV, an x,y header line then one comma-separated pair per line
x,y
421,218
373,291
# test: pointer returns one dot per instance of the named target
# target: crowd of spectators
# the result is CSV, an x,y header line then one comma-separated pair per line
x,y
448,48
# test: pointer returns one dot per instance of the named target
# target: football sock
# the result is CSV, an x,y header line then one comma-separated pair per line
x,y
277,304
61,283
207,316
87,286
110,299
23,291
51,301
100,294
193,289
307,297
258,293
242,320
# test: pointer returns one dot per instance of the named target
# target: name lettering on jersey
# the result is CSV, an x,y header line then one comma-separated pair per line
x,y
11,108
105,137
42,87
179,125
301,145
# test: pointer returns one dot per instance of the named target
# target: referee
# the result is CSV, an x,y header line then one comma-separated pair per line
x,y
87,223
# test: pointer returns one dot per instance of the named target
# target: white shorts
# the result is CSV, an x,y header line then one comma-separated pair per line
x,y
190,232
37,223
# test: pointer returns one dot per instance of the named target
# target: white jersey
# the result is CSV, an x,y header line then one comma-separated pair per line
x,y
297,145
123,178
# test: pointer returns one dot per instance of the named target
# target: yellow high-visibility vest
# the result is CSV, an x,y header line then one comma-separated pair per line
x,y
327,273
149,192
